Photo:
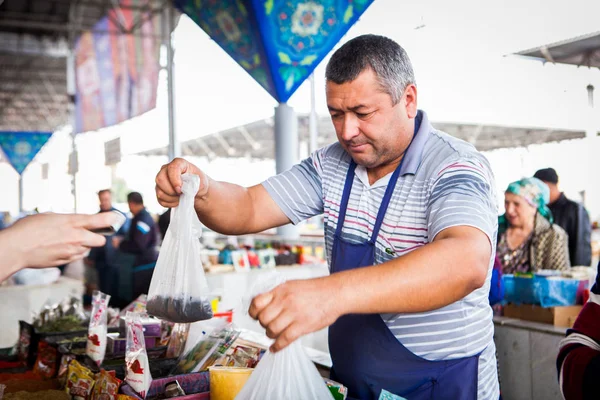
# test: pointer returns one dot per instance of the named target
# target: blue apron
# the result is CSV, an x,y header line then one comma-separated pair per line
x,y
366,356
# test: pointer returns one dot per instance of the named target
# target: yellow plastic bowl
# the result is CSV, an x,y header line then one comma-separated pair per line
x,y
226,382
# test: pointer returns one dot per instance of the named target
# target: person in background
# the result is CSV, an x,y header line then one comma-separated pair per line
x,y
103,259
142,236
572,217
141,241
578,361
49,240
528,240
163,223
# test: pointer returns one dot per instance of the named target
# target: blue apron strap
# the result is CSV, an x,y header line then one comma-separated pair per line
x,y
386,201
345,197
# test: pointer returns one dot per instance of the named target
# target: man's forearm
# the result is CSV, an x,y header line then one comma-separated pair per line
x,y
436,275
235,210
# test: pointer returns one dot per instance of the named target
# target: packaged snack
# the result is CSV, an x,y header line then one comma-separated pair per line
x,y
209,347
338,391
45,364
166,330
136,359
179,291
64,368
178,340
80,381
96,343
106,387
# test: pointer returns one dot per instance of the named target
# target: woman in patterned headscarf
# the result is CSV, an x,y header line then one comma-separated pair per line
x,y
527,239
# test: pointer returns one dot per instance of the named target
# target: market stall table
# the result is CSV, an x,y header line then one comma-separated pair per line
x,y
19,302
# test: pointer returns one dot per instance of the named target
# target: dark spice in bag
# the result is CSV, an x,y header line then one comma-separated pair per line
x,y
179,309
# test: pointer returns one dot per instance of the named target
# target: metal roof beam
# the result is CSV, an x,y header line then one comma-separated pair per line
x,y
31,45
255,145
105,4
62,28
226,146
206,148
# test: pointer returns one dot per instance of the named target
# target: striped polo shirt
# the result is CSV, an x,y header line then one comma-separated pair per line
x,y
444,182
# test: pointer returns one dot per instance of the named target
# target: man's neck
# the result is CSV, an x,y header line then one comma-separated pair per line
x,y
554,196
377,173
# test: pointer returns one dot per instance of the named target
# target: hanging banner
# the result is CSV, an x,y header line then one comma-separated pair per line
x,y
116,74
21,148
279,43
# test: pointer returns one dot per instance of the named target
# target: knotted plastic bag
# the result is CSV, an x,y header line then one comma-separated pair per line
x,y
288,374
178,291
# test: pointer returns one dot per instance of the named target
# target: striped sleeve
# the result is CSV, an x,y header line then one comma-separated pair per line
x,y
298,191
462,194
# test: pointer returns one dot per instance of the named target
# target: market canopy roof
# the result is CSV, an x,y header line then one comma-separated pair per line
x,y
255,139
34,44
580,51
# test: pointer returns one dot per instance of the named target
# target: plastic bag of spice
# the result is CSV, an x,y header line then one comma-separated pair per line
x,y
178,291
96,343
136,359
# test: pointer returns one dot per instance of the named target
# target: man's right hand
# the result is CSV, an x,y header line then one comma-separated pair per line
x,y
168,182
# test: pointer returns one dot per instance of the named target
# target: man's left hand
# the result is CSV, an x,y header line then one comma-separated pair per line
x,y
296,308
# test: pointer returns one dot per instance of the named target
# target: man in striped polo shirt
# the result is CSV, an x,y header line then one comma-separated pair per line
x,y
410,230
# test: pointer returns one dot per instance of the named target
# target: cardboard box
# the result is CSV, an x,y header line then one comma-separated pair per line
x,y
557,316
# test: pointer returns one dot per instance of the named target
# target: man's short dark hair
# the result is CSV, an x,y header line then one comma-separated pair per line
x,y
547,175
101,192
135,198
386,58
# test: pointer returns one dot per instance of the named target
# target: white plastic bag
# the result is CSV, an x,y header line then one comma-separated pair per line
x,y
96,341
136,358
288,374
178,291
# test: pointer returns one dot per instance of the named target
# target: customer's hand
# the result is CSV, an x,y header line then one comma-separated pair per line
x,y
169,183
48,240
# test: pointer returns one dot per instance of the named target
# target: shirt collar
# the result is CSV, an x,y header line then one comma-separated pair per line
x,y
414,155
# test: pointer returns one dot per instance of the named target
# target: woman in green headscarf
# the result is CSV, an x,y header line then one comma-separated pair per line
x,y
527,238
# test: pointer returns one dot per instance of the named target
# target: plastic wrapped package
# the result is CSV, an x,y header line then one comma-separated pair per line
x,y
136,358
96,342
178,340
289,373
106,386
552,291
207,342
80,381
179,291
